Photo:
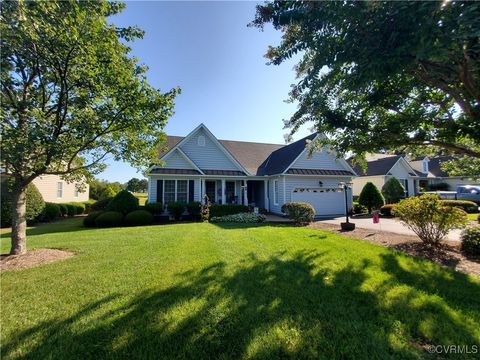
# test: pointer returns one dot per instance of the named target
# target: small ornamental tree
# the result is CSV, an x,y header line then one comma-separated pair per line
x,y
72,95
370,197
124,202
427,217
393,190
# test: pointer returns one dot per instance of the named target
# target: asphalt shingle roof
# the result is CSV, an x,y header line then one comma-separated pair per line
x,y
377,167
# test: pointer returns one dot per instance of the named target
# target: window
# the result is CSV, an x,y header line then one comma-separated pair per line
x,y
182,194
425,167
75,191
275,192
59,189
169,191
201,140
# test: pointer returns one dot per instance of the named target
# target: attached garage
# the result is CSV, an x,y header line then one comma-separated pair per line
x,y
326,201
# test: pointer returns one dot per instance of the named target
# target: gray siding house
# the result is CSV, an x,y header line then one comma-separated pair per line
x,y
256,174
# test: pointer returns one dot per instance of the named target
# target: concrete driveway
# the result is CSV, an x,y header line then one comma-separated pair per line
x,y
385,224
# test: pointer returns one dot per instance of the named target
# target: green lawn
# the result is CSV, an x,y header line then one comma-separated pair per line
x,y
473,217
206,291
142,197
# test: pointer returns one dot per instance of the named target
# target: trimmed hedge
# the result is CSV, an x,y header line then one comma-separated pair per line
x,y
217,210
139,217
63,209
386,210
359,209
89,220
88,205
71,209
155,208
79,207
51,212
299,212
468,206
124,202
194,209
471,240
101,204
247,218
109,219
176,209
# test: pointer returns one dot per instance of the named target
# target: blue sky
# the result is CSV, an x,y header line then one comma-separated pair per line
x,y
207,49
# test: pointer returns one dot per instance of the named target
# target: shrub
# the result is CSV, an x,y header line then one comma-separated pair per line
x,y
359,209
386,210
101,204
468,206
438,187
471,240
71,209
217,210
139,217
51,212
124,202
79,207
154,208
109,219
34,203
88,205
205,211
478,218
393,190
239,218
63,209
194,209
299,212
370,197
429,218
176,209
89,220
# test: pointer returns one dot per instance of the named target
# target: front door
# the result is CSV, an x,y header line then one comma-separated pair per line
x,y
230,192
210,191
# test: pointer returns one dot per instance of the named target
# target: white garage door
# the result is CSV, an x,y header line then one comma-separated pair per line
x,y
325,201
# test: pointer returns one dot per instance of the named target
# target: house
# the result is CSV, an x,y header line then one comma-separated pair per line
x,y
431,176
56,190
261,175
380,168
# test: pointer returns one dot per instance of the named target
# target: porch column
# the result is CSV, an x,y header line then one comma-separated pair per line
x,y
223,191
202,191
245,193
265,191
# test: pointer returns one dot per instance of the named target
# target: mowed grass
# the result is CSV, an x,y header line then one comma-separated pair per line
x,y
202,291
473,217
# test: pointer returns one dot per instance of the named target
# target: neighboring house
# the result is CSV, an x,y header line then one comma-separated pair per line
x,y
257,174
56,190
382,167
430,174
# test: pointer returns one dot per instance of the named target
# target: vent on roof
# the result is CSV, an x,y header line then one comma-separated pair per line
x,y
201,140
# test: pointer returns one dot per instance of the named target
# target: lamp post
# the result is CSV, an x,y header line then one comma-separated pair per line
x,y
347,225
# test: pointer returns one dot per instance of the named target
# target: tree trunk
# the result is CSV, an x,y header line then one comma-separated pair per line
x,y
19,222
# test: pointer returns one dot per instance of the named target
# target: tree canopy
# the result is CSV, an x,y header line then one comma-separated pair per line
x,y
379,75
71,93
137,185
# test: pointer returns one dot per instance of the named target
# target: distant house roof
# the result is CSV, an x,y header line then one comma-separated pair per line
x,y
434,164
380,166
258,158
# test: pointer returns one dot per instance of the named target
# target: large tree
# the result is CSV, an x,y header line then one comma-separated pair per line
x,y
72,96
378,75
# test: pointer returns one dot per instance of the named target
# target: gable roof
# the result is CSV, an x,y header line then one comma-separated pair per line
x,y
257,158
434,169
381,166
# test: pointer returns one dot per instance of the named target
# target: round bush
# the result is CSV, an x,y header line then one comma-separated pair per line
x,y
299,212
471,240
154,208
63,209
386,210
468,206
101,204
124,202
89,220
393,190
109,219
51,212
139,217
359,209
34,203
176,209
71,210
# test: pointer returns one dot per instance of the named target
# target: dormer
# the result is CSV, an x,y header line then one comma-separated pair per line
x,y
425,162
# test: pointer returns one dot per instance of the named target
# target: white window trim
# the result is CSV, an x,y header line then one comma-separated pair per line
x,y
276,192
175,180
60,188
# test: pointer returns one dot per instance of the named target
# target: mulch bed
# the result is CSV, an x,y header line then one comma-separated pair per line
x,y
448,254
32,258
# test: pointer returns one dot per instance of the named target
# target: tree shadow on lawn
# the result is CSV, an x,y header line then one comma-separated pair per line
x,y
279,307
58,226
